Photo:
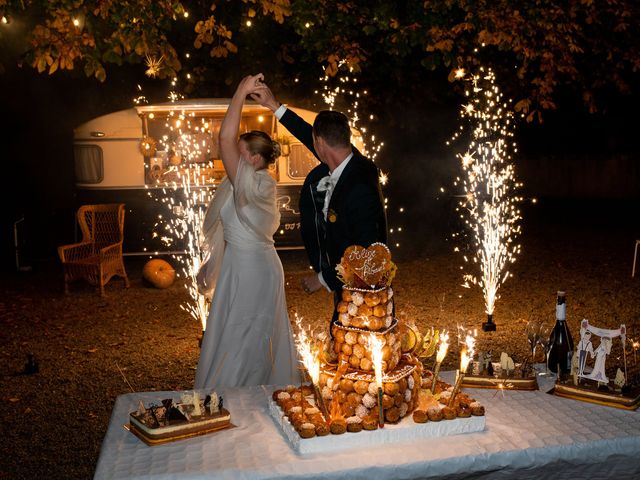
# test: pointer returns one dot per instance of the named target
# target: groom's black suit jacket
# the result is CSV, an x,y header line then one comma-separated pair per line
x,y
356,209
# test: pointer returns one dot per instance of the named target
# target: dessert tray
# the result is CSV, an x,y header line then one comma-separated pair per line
x,y
176,420
518,379
629,400
406,430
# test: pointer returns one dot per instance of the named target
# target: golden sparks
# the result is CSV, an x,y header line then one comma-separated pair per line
x,y
307,351
153,65
488,204
185,198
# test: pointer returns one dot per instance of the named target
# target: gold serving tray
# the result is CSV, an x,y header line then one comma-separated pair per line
x,y
160,441
609,399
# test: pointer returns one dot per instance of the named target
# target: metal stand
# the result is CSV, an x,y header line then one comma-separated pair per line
x,y
489,326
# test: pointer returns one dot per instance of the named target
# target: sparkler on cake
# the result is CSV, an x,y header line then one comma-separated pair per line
x,y
442,353
466,355
310,359
376,345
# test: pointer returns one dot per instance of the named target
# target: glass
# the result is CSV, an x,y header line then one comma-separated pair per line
x,y
544,339
533,336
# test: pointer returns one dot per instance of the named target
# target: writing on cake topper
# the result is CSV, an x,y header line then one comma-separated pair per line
x,y
370,266
366,267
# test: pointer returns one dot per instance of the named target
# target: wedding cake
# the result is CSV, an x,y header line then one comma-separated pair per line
x,y
350,395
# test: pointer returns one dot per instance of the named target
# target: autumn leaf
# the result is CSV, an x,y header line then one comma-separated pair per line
x,y
53,67
100,73
219,52
331,69
230,46
41,63
522,106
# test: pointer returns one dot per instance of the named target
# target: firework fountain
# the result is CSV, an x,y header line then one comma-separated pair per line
x,y
489,204
186,197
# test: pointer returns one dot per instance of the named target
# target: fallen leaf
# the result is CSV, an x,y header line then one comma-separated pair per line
x,y
92,350
14,399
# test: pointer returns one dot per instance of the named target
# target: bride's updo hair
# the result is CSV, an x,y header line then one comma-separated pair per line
x,y
262,144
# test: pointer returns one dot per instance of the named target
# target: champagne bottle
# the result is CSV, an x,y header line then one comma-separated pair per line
x,y
561,349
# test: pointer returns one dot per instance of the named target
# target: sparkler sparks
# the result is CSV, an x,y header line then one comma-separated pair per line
x,y
153,65
376,344
443,347
488,204
186,196
442,353
466,356
309,350
305,345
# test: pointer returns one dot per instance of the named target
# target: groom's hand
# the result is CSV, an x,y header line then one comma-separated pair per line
x,y
264,96
311,283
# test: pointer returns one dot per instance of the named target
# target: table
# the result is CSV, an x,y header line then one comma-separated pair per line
x,y
528,435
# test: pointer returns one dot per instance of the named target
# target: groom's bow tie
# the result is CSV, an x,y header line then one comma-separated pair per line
x,y
325,184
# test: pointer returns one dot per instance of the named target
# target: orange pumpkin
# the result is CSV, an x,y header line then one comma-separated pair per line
x,y
159,273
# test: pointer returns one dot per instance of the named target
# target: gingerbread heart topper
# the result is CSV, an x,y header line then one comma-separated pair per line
x,y
368,267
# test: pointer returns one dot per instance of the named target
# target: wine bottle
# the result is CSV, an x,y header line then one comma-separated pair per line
x,y
561,349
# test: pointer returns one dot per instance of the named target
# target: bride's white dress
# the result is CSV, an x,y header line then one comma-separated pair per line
x,y
248,338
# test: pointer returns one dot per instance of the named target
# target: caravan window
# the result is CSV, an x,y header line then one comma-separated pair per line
x,y
301,161
89,163
187,145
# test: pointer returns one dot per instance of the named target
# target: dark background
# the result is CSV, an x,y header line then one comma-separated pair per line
x,y
580,167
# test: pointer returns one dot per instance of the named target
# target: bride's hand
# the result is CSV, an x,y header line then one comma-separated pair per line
x,y
251,84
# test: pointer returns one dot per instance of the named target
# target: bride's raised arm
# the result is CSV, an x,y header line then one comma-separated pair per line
x,y
228,137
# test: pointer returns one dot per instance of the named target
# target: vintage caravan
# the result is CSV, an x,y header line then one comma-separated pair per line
x,y
139,155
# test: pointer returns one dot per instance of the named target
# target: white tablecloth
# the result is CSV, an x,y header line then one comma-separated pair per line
x,y
528,435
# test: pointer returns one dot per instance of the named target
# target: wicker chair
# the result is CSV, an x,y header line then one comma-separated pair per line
x,y
98,257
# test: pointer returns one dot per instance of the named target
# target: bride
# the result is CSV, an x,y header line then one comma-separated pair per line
x,y
248,337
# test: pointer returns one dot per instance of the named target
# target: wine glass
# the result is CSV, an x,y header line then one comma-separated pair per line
x,y
533,336
544,339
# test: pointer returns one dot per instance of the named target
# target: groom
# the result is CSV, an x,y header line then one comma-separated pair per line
x,y
341,201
